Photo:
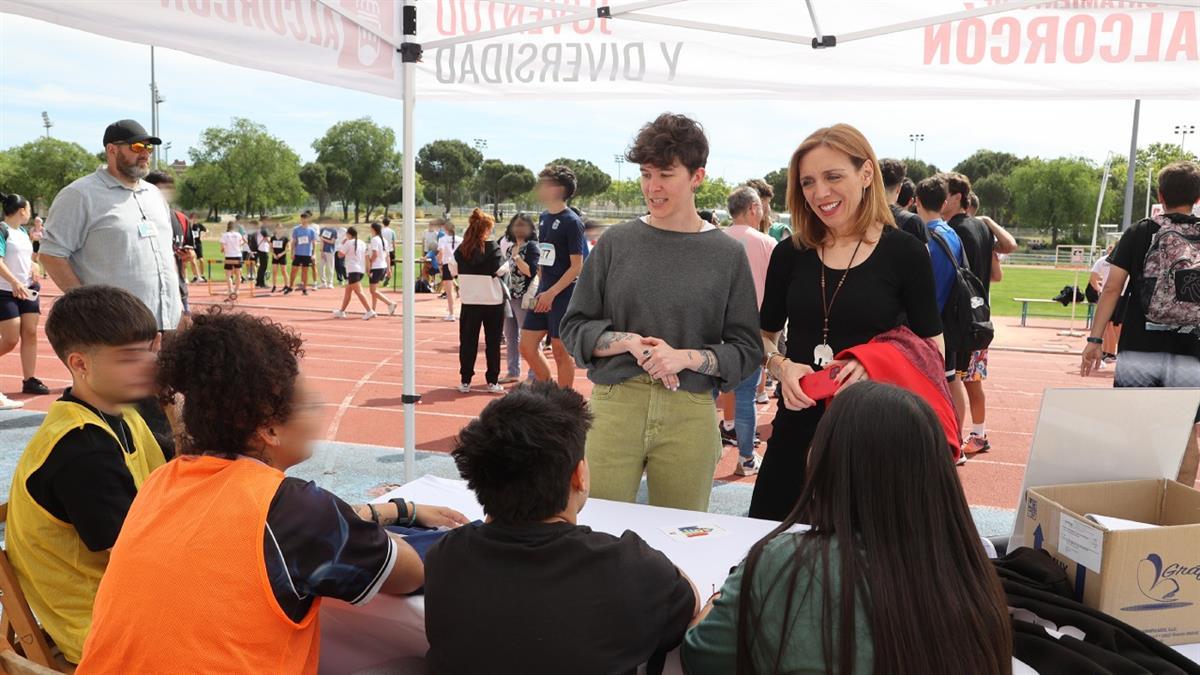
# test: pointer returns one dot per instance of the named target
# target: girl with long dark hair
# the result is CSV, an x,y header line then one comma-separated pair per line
x,y
891,578
377,252
483,296
520,246
353,254
19,307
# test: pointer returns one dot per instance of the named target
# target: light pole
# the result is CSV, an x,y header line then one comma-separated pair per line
x,y
167,153
1183,130
46,122
481,145
155,99
619,159
916,138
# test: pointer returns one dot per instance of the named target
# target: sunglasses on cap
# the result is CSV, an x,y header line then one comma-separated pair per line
x,y
140,147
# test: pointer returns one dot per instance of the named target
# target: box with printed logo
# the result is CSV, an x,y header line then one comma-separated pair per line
x,y
1130,548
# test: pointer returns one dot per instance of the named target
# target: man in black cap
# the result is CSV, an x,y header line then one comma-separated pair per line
x,y
112,227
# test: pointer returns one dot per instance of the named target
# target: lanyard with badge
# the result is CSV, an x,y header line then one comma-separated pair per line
x,y
145,229
823,353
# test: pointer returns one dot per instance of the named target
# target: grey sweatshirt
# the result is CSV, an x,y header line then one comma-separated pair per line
x,y
693,290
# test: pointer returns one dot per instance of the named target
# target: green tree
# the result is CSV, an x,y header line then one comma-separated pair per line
x,y
621,193
502,181
203,187
590,179
713,193
1056,193
253,171
1150,160
316,181
917,170
388,189
777,179
447,165
38,169
994,198
366,151
983,163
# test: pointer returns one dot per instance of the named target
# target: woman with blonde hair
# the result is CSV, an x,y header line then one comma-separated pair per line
x,y
845,276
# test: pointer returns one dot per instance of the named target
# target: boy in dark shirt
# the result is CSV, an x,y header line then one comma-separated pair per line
x,y
893,176
80,472
1149,355
589,602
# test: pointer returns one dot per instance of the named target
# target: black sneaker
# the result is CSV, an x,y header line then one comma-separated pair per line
x,y
34,386
304,291
728,436
287,290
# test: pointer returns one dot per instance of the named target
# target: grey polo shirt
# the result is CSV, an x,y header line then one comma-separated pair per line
x,y
116,235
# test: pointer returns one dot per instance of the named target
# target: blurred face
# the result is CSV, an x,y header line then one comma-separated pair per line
x,y
289,443
119,375
952,207
133,165
168,193
522,230
832,187
549,192
670,192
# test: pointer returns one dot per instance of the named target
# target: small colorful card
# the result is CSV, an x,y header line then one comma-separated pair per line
x,y
694,532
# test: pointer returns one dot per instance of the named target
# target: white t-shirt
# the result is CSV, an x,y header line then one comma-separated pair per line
x,y
379,249
355,253
232,243
264,243
447,245
389,239
341,236
431,241
18,255
1102,268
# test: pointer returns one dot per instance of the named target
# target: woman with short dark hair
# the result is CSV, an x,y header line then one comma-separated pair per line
x,y
219,544
520,246
19,289
891,576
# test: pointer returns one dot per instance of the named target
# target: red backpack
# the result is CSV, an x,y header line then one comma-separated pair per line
x,y
1171,276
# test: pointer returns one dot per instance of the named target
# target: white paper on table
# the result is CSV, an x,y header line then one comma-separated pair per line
x,y
1119,524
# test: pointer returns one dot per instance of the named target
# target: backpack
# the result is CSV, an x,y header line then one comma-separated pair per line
x,y
966,319
1171,275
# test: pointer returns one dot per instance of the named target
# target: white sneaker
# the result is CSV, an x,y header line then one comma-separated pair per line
x,y
450,317
464,388
748,467
7,403
763,398
339,314
392,309
495,389
370,314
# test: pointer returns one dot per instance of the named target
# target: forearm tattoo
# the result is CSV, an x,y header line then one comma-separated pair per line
x,y
610,338
708,363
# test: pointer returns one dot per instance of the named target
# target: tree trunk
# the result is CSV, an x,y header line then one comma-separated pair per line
x,y
345,210
356,210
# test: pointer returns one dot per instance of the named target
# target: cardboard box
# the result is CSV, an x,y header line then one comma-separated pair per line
x,y
1148,578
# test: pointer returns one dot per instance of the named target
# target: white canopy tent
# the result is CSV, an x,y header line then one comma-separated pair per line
x,y
878,50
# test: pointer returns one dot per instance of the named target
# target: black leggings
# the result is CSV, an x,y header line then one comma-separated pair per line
x,y
491,319
784,468
263,259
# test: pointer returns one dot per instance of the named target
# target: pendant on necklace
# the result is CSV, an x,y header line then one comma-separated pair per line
x,y
822,355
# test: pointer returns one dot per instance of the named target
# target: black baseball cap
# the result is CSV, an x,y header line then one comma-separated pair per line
x,y
128,131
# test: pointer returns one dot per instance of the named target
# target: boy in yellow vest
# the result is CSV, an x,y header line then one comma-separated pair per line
x,y
78,476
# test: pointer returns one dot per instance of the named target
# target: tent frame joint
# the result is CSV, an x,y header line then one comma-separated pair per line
x,y
604,12
413,399
410,52
824,42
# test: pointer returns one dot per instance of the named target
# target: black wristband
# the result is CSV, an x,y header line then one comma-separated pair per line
x,y
401,509
1095,341
374,513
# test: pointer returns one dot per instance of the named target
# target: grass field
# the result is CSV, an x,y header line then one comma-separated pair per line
x,y
1034,282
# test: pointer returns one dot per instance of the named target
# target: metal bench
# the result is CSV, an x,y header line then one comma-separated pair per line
x,y
1025,302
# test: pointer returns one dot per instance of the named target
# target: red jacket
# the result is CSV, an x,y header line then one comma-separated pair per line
x,y
901,358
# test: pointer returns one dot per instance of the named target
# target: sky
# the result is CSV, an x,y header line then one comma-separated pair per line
x,y
84,82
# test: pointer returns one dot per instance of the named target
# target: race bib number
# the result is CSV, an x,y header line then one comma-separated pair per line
x,y
278,245
301,241
548,255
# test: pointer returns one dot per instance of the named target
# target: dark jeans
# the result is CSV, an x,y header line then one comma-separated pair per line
x,y
339,268
263,259
491,319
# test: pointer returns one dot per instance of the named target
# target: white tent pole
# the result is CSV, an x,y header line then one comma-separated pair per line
x,y
718,28
812,14
407,242
544,23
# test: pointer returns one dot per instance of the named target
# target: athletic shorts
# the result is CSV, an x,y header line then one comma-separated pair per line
x,y
354,277
233,264
280,261
377,276
951,366
12,308
975,369
302,261
448,273
247,256
550,321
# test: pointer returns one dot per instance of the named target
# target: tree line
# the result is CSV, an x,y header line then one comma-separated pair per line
x,y
243,168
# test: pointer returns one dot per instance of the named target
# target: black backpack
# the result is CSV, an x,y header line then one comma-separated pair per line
x,y
967,318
